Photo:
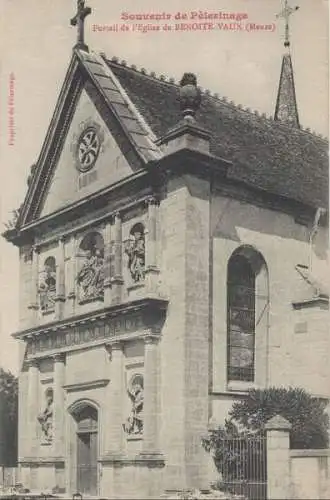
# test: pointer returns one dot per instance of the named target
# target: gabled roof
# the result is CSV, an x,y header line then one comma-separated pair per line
x,y
138,135
266,154
132,122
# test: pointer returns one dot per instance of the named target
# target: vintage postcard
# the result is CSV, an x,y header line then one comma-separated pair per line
x,y
164,249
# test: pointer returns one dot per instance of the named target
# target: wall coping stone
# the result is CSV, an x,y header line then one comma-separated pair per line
x,y
278,423
323,452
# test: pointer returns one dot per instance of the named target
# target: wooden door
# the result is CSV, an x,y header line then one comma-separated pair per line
x,y
87,438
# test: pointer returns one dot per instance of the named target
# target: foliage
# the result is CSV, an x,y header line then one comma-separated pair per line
x,y
239,456
305,413
238,448
8,418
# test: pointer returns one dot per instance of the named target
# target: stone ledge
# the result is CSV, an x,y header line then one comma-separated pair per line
x,y
195,494
323,452
88,300
136,286
41,461
142,459
321,302
92,384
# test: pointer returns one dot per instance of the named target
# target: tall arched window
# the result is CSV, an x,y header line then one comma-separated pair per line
x,y
247,296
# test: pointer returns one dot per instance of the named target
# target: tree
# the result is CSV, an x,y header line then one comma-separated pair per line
x,y
240,444
305,413
8,418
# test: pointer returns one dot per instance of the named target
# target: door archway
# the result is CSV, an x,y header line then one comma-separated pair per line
x,y
86,449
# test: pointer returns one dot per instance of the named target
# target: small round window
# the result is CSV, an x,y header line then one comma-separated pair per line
x,y
88,149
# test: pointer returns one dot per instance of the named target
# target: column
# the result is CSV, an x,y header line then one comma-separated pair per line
x,y
60,280
71,286
151,249
114,430
33,406
152,271
278,458
34,291
150,402
59,406
107,263
117,279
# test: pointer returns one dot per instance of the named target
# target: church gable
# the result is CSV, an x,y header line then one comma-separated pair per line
x,y
90,159
96,138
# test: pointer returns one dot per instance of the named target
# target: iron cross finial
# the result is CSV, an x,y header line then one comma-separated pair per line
x,y
79,21
286,13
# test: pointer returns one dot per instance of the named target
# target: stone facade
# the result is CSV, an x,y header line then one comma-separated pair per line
x,y
124,313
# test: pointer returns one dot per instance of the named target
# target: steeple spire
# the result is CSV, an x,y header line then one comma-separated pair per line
x,y
286,105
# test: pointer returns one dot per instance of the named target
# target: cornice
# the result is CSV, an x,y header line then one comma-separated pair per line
x,y
139,185
322,302
81,386
188,160
149,304
41,460
142,459
218,171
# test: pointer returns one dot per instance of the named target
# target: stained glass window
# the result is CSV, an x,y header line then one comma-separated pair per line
x,y
241,319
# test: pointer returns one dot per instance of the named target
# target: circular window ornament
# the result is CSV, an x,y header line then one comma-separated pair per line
x,y
88,149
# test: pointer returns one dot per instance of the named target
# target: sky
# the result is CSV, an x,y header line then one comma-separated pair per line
x,y
36,41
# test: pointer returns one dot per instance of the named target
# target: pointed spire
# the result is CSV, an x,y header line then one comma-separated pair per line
x,y
286,109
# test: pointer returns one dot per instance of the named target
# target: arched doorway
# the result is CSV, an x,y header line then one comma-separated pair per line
x,y
87,449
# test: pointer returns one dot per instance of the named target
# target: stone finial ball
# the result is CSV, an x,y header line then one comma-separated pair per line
x,y
190,95
188,79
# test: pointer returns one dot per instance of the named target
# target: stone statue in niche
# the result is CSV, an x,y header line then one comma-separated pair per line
x,y
47,285
134,422
91,276
45,418
135,249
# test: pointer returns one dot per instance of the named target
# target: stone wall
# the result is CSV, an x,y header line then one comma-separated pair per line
x,y
310,474
287,357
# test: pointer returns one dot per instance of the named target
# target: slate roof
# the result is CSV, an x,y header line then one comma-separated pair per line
x,y
265,153
135,129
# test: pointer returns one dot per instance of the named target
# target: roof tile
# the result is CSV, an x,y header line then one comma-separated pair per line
x,y
265,153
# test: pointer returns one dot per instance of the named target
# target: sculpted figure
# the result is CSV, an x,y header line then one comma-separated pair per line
x,y
91,276
134,422
135,249
46,417
47,288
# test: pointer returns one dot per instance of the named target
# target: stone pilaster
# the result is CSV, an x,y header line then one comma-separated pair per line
x,y
34,291
117,279
60,280
150,401
107,263
33,406
71,290
114,426
278,458
59,406
151,267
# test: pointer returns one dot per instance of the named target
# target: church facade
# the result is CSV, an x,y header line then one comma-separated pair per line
x,y
167,244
